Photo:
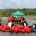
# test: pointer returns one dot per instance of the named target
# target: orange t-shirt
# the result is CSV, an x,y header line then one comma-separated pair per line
x,y
20,18
9,18
12,18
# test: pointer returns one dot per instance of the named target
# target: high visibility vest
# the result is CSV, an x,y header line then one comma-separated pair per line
x,y
16,18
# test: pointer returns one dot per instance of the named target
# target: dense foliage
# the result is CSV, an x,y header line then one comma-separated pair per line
x,y
7,12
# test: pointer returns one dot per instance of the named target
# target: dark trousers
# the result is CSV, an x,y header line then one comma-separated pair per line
x,y
19,22
16,21
0,24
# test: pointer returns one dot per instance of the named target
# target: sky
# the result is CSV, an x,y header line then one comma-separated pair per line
x,y
17,4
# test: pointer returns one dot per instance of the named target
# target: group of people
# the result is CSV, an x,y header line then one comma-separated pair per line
x,y
16,20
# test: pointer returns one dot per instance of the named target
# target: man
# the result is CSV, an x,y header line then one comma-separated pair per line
x,y
16,20
20,20
12,18
10,24
24,23
9,19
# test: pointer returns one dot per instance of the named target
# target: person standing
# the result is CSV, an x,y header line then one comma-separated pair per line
x,y
24,23
12,19
20,20
9,19
10,24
